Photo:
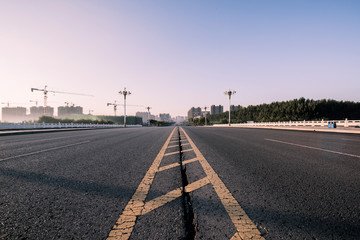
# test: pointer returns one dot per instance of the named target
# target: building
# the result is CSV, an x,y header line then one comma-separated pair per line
x,y
233,107
165,117
145,116
180,119
36,112
216,109
66,111
194,112
13,114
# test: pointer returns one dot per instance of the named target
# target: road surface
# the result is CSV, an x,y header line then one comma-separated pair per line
x,y
180,183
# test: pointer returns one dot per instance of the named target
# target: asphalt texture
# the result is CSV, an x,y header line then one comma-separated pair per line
x,y
75,185
290,192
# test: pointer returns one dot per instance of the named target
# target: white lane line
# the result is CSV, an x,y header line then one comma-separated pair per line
x,y
41,151
314,148
38,140
354,140
48,139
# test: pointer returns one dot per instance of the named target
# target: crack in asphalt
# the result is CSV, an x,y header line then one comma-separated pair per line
x,y
189,217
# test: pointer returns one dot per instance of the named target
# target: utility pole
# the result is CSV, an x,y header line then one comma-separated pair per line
x,y
125,93
205,115
115,106
148,108
229,93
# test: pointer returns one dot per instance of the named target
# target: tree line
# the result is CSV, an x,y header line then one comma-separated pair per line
x,y
293,110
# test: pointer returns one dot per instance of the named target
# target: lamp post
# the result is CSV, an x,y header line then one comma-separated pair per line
x,y
125,93
229,93
148,108
205,115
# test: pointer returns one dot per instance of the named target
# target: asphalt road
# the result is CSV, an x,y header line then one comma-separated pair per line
x,y
80,184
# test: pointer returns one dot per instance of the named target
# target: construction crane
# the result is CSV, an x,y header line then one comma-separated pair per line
x,y
35,101
69,103
8,103
115,106
46,91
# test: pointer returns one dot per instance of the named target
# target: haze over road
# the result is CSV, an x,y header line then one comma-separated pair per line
x,y
178,183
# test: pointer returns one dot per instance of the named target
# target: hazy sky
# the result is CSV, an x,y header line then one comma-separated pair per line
x,y
173,55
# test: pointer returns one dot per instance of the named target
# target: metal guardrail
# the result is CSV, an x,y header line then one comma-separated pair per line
x,y
59,125
322,123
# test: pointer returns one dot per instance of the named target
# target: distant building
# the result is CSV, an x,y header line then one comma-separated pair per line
x,y
165,117
194,112
233,107
216,109
36,112
145,116
180,119
67,111
203,113
13,114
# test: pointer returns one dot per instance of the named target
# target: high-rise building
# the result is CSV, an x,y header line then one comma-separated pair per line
x,y
145,116
180,119
165,117
233,107
66,111
194,112
36,112
13,114
216,109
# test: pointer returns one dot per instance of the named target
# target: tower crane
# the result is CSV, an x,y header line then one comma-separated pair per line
x,y
35,101
46,91
115,106
8,103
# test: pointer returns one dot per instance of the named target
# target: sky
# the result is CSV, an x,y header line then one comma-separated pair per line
x,y
174,55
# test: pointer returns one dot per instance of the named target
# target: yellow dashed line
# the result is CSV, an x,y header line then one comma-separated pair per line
x,y
126,222
178,145
177,164
162,200
196,185
170,196
246,229
171,153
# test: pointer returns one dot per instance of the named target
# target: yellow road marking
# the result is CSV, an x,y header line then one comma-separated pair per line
x,y
172,146
176,164
246,229
171,153
126,222
162,200
187,150
174,194
177,152
196,185
177,145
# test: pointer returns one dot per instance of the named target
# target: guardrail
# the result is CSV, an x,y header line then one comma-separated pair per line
x,y
59,125
340,123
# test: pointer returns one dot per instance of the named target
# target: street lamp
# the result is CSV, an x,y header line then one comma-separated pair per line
x,y
229,93
205,115
125,93
148,108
